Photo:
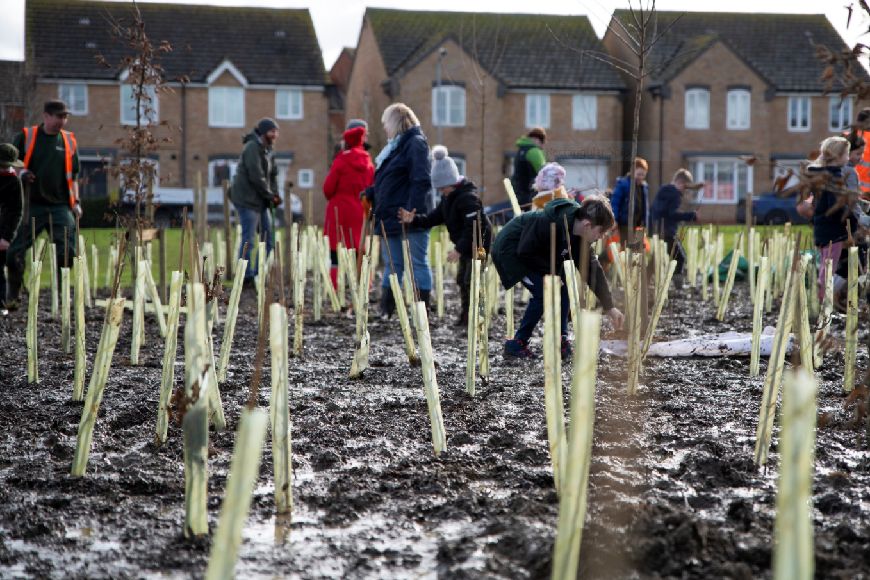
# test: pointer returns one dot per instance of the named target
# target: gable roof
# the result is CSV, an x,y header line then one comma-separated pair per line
x,y
268,46
520,50
779,47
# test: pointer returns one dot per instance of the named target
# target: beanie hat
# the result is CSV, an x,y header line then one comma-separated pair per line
x,y
551,176
356,123
444,171
265,125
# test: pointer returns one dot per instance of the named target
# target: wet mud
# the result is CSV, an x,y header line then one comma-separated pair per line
x,y
673,490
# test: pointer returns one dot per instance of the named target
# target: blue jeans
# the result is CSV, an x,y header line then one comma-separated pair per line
x,y
419,242
535,309
251,220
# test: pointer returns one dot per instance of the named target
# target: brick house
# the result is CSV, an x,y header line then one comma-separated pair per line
x,y
237,65
730,85
478,81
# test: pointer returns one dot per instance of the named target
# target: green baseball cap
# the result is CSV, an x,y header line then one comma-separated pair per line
x,y
9,156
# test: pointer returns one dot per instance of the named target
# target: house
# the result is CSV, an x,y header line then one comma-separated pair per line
x,y
728,87
228,67
478,81
339,78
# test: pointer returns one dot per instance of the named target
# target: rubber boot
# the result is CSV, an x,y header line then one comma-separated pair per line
x,y
425,297
14,279
388,303
463,313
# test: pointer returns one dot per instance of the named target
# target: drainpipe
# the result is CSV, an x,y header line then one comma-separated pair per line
x,y
442,52
182,165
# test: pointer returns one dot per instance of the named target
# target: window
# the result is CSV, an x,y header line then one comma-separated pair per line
x,y
840,113
537,111
726,180
697,109
220,170
585,112
305,178
799,114
145,175
75,95
738,109
585,175
148,111
288,104
226,107
448,106
460,165
790,168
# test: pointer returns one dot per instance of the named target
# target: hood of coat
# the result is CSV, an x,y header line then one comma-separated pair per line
x,y
560,209
526,141
354,137
253,136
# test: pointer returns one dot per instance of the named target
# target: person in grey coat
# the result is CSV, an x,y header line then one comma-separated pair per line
x,y
255,190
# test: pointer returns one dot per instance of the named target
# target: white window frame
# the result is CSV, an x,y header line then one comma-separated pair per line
x,y
305,179
693,118
601,168
127,106
283,164
782,167
738,110
791,122
290,95
454,102
461,165
231,162
584,112
130,196
697,165
222,92
77,106
844,111
537,110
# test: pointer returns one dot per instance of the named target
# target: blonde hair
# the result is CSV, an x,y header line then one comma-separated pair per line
x,y
682,175
398,118
832,149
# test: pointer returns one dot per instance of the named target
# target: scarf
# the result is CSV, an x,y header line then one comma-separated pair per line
x,y
386,151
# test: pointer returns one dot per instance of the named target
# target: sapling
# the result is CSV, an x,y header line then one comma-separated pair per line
x,y
280,411
430,380
760,289
168,375
851,321
66,345
102,363
553,398
793,557
80,352
32,334
232,315
245,465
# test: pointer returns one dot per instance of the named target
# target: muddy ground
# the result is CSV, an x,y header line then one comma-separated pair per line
x,y
673,490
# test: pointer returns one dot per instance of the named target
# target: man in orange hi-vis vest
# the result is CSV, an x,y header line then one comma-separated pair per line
x,y
51,168
862,123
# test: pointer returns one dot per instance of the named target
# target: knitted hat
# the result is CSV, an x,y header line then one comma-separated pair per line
x,y
265,125
551,176
9,157
444,171
356,123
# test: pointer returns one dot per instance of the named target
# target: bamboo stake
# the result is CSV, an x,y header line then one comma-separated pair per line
x,y
773,378
89,290
32,334
823,324
512,196
247,453
401,310
793,557
553,400
760,289
151,286
281,441
168,375
430,380
65,342
851,321
80,351
232,316
473,313
572,502
729,284
407,279
102,363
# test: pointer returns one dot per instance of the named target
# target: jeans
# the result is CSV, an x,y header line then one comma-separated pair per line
x,y
535,308
419,243
60,221
251,220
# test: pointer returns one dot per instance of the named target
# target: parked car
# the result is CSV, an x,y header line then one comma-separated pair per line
x,y
772,208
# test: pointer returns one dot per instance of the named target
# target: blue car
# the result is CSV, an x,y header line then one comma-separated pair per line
x,y
772,208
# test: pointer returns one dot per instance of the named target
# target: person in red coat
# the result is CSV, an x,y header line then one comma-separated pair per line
x,y
352,172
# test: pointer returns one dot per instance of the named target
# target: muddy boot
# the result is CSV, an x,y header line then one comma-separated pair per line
x,y
14,280
425,297
388,303
463,313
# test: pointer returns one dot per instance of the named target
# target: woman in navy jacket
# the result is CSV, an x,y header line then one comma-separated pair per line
x,y
402,180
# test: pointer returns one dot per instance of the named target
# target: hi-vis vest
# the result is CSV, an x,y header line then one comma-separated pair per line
x,y
69,148
863,167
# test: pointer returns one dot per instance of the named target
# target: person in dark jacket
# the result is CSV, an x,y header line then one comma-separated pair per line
x,y
461,211
521,254
255,191
11,209
528,161
666,215
620,200
402,180
351,173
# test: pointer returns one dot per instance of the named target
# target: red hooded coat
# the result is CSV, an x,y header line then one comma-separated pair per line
x,y
352,171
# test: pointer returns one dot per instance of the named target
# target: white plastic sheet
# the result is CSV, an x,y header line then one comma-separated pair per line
x,y
723,344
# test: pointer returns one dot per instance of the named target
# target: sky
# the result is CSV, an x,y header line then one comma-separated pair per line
x,y
337,22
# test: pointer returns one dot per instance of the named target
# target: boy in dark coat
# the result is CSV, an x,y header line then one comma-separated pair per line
x,y
11,208
521,253
666,215
460,209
